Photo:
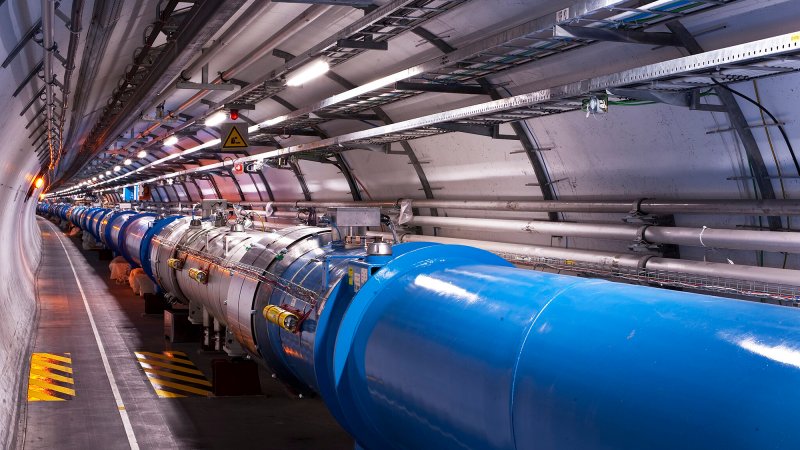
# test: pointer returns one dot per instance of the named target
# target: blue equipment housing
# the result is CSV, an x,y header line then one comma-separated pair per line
x,y
446,347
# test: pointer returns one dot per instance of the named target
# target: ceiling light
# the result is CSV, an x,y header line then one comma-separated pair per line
x,y
308,72
273,121
142,154
117,168
108,172
216,119
94,178
172,140
101,176
39,182
127,162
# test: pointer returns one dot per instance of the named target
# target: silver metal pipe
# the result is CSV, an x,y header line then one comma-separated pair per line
x,y
644,206
774,241
48,11
611,262
329,204
75,29
768,241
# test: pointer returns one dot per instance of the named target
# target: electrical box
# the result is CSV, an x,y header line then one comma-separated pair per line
x,y
355,216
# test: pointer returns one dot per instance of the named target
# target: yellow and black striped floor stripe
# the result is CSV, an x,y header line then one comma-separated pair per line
x,y
50,379
173,375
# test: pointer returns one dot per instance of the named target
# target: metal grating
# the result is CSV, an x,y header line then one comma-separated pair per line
x,y
517,46
752,290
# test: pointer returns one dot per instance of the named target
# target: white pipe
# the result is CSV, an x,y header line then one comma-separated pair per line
x,y
772,241
608,261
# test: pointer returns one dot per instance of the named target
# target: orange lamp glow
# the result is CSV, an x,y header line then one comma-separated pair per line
x,y
39,182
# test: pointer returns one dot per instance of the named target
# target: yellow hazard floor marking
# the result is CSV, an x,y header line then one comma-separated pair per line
x,y
163,373
167,394
166,357
179,386
54,357
42,363
50,378
51,375
173,375
150,362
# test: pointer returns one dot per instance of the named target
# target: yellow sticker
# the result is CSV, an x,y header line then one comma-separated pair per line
x,y
795,37
350,276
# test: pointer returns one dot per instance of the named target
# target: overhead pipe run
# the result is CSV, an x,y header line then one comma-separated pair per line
x,y
641,206
613,263
768,241
48,11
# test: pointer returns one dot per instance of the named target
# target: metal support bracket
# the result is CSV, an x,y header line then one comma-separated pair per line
x,y
641,244
205,84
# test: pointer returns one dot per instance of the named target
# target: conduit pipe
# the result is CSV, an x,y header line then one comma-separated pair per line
x,y
75,28
48,10
770,241
611,262
644,206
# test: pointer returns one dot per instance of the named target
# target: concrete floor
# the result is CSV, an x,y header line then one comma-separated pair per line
x,y
93,419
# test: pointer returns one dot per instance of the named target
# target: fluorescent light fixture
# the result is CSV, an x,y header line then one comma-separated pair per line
x,y
127,162
142,154
216,119
117,168
170,141
101,176
273,121
108,172
94,178
308,72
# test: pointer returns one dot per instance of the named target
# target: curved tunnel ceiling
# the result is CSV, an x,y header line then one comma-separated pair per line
x,y
440,56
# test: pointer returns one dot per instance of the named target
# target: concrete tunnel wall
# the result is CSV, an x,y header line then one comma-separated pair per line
x,y
20,253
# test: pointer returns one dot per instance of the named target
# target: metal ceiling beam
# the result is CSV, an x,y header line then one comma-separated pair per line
x,y
36,96
27,37
441,88
36,69
625,36
366,44
738,122
353,3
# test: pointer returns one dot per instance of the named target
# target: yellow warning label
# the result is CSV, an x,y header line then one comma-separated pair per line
x,y
234,139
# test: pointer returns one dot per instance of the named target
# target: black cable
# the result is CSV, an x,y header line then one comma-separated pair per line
x,y
771,116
